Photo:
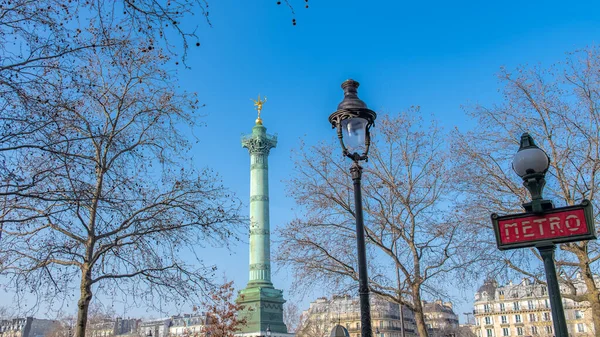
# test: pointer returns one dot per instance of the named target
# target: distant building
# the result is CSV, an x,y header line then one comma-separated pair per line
x,y
110,327
440,319
104,328
386,317
155,328
523,309
466,330
187,326
127,326
26,327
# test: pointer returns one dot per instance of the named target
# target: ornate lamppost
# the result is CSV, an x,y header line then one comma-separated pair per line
x,y
531,163
353,120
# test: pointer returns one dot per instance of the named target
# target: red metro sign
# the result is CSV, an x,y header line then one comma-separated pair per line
x,y
565,224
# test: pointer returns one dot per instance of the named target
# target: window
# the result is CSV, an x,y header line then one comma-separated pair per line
x,y
546,303
501,292
519,331
505,332
381,324
486,308
532,317
502,308
357,325
488,320
530,305
546,316
516,306
504,319
578,314
517,318
490,333
534,330
580,327
543,290
548,329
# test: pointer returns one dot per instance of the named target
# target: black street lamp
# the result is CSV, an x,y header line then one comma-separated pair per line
x,y
353,121
531,163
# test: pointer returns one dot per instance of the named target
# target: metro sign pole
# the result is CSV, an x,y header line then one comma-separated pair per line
x,y
542,225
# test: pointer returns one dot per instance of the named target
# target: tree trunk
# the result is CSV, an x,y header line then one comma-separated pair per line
x,y
595,310
84,301
419,317
593,296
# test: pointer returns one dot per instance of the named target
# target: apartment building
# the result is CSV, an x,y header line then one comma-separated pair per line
x,y
26,327
187,325
387,319
523,309
440,319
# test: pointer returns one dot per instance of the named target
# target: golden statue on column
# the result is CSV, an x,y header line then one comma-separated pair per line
x,y
258,104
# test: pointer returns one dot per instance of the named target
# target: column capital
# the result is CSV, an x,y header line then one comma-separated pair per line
x,y
259,142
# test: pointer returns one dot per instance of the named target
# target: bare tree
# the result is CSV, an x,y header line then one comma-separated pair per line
x,y
57,330
559,107
412,238
96,186
291,316
49,38
100,318
222,312
311,325
5,312
35,35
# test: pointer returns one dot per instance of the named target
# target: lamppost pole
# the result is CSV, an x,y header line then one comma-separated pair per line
x,y
531,163
558,313
353,119
363,278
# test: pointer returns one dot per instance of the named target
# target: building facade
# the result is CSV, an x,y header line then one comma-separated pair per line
x,y
440,319
187,326
113,327
26,327
523,309
386,318
155,328
104,328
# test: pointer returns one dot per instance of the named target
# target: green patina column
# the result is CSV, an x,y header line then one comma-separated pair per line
x,y
263,303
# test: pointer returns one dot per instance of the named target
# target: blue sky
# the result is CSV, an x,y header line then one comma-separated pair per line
x,y
438,55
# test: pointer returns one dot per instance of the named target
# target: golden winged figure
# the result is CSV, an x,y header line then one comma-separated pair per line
x,y
258,103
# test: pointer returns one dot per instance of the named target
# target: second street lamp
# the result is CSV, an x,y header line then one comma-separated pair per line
x,y
531,163
353,120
